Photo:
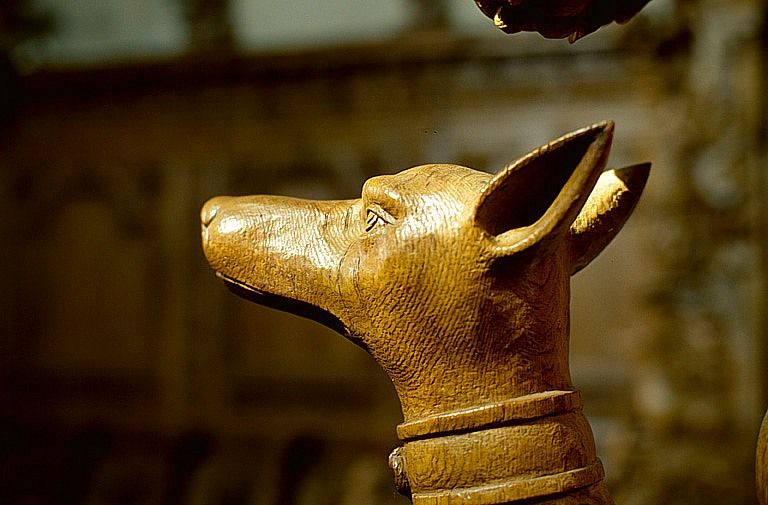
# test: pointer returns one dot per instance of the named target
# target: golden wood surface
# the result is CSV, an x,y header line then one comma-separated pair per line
x,y
761,467
457,283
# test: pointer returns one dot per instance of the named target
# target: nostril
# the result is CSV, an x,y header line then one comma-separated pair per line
x,y
209,211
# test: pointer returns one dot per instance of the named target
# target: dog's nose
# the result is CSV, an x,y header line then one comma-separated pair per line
x,y
210,210
208,213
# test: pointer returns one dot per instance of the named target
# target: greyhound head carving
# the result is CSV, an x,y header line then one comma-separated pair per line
x,y
457,283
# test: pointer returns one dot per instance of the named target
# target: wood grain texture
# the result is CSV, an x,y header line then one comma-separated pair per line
x,y
457,283
761,467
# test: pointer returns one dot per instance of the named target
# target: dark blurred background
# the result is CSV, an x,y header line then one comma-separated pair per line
x,y
131,376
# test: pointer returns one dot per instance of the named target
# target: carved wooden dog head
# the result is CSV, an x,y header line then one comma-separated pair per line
x,y
443,273
455,281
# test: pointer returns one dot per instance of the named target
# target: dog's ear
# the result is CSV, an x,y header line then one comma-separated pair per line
x,y
609,206
534,200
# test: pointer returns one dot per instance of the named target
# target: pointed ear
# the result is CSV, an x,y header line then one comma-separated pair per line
x,y
535,199
609,206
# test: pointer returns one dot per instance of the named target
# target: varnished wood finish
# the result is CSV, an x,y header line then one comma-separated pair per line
x,y
761,467
457,283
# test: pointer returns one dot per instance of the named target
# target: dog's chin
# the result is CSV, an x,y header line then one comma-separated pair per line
x,y
279,302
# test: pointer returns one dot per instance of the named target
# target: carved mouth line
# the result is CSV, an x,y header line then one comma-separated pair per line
x,y
233,283
283,303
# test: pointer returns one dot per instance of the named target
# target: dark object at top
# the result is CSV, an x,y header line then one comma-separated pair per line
x,y
558,19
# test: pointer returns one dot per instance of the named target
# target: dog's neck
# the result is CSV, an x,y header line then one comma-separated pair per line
x,y
533,449
504,423
510,340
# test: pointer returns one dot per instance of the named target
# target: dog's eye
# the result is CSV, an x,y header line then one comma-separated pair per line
x,y
375,217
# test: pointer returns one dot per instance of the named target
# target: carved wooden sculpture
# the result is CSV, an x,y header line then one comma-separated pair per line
x,y
558,18
761,466
457,283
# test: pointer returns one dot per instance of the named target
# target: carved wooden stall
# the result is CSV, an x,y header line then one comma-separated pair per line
x,y
201,398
